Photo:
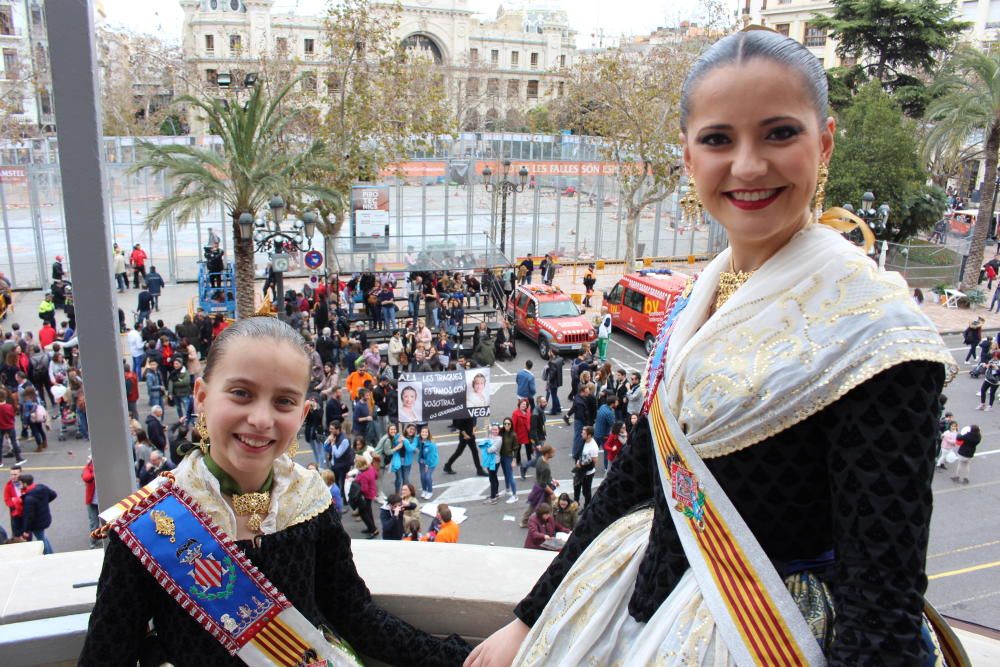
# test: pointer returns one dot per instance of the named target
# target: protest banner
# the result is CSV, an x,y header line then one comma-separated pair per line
x,y
426,397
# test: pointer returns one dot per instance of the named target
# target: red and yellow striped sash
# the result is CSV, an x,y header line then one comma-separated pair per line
x,y
281,643
749,603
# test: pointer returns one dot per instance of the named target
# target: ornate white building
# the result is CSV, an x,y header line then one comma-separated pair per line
x,y
25,83
498,69
792,18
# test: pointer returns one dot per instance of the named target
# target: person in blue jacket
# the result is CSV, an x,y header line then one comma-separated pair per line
x,y
411,444
525,380
604,421
428,462
489,458
36,517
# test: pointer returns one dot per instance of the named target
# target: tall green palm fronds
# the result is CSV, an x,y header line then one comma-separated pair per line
x,y
256,161
967,103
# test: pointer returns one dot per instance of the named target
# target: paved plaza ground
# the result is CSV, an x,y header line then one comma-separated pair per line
x,y
964,554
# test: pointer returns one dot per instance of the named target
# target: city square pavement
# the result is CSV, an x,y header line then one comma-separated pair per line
x,y
964,554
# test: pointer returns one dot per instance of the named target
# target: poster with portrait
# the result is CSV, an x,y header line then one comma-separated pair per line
x,y
370,217
426,397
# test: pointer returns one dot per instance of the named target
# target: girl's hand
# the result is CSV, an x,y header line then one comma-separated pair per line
x,y
499,648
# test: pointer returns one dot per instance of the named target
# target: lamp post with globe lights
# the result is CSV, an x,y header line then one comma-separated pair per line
x,y
504,187
268,236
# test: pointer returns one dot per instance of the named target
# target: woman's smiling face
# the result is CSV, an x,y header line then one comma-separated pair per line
x,y
253,410
753,144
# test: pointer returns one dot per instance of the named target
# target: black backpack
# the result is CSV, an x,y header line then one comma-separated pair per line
x,y
40,373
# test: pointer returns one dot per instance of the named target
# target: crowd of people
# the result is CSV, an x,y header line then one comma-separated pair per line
x,y
361,438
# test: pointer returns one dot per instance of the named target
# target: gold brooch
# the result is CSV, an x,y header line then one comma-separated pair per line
x,y
164,524
253,504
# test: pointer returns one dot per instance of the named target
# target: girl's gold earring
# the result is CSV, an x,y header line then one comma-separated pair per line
x,y
201,426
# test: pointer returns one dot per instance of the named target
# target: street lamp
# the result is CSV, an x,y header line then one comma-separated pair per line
x,y
505,187
273,239
868,212
883,216
246,226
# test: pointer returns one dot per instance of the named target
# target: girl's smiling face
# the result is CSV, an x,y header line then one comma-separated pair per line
x,y
253,410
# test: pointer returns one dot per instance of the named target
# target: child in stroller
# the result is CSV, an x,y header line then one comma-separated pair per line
x,y
67,415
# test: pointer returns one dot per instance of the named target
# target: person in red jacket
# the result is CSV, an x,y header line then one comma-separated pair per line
x,y
616,441
90,499
138,261
542,527
367,479
131,390
522,430
12,498
8,429
47,335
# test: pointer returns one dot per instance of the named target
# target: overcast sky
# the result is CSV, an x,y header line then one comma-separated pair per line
x,y
588,17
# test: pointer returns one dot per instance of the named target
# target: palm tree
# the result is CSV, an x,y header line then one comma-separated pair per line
x,y
967,103
256,162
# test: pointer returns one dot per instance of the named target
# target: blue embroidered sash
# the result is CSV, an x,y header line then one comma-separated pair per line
x,y
203,570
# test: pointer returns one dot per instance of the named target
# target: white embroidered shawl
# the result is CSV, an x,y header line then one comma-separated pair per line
x,y
815,321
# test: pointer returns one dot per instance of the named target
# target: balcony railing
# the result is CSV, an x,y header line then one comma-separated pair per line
x,y
43,617
44,609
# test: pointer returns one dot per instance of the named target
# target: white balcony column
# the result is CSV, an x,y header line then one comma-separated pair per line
x,y
78,118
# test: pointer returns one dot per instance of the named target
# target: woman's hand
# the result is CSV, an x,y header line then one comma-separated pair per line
x,y
499,648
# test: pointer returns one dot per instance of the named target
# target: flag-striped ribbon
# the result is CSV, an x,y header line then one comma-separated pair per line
x,y
753,611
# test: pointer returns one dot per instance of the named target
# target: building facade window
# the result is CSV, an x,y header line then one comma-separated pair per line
x,y
514,57
534,61
212,77
493,87
45,101
514,89
10,64
210,43
472,87
309,45
281,45
562,88
235,43
562,61
332,84
495,57
815,36
473,56
533,90
36,15
6,20
782,29
309,82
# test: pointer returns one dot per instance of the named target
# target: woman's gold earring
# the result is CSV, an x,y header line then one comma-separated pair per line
x,y
293,449
201,426
691,204
822,176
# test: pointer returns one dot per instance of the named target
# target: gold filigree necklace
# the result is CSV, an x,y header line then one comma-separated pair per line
x,y
254,505
729,282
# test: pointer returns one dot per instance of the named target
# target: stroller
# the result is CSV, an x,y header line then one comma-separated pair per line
x,y
67,415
